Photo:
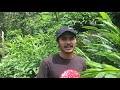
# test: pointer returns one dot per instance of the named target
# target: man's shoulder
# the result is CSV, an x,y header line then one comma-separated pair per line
x,y
78,57
81,60
49,58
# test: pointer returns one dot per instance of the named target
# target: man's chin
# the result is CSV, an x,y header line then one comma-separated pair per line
x,y
68,51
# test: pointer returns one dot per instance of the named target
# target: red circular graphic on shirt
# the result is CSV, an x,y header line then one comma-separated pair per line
x,y
70,74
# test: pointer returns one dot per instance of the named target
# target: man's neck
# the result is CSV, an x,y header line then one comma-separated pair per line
x,y
66,55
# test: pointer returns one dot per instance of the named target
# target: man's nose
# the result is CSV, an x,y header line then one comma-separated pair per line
x,y
68,41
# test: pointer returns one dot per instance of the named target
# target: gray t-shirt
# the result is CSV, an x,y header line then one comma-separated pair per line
x,y
54,66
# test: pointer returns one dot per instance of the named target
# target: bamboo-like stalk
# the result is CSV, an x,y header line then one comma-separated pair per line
x,y
3,48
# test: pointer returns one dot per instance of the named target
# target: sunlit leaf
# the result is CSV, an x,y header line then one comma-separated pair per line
x,y
105,16
100,75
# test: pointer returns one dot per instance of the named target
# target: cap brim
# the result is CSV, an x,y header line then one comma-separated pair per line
x,y
67,31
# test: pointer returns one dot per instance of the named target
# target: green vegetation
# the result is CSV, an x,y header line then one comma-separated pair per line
x,y
30,37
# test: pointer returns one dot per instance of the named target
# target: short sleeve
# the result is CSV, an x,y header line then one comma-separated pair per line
x,y
43,70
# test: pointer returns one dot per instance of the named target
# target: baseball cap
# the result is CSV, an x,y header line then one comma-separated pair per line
x,y
63,29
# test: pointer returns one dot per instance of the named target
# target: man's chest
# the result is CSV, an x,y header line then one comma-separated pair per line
x,y
57,69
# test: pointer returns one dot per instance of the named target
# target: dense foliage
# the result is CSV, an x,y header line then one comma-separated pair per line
x,y
30,37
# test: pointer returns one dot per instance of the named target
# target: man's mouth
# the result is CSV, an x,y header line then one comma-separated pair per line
x,y
68,47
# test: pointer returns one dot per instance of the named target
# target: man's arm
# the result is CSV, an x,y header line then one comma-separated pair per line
x,y
43,71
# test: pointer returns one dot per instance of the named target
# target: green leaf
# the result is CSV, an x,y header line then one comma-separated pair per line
x,y
110,76
94,64
109,67
100,75
111,26
90,27
106,46
113,57
105,16
99,18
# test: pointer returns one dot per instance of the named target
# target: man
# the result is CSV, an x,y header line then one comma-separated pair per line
x,y
54,66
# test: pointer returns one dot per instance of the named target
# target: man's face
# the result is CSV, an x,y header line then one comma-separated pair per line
x,y
67,42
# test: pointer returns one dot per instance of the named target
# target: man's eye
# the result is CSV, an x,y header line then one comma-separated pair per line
x,y
63,38
72,38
